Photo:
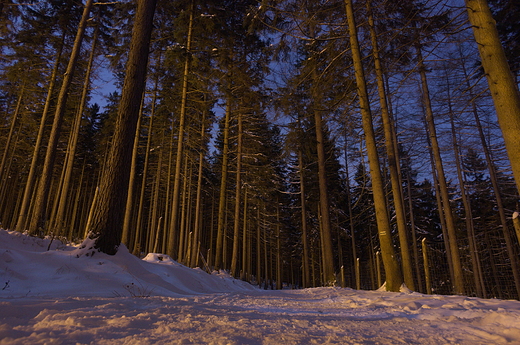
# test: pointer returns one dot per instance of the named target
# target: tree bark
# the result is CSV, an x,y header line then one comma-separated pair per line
x,y
222,196
306,281
443,187
174,226
108,217
496,190
127,235
394,279
39,216
355,260
393,163
502,85
198,201
326,237
28,191
238,193
246,253
62,195
474,255
139,227
8,147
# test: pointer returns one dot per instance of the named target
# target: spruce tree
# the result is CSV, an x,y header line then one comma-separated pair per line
x,y
108,216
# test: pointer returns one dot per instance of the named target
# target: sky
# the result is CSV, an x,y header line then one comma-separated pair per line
x,y
64,296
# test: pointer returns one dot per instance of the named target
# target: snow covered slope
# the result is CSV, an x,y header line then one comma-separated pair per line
x,y
29,270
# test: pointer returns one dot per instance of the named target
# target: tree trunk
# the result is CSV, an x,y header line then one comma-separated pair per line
x,y
258,246
516,224
238,193
39,216
279,282
139,227
12,187
245,257
305,240
418,272
475,261
73,143
355,260
513,257
393,162
127,236
326,237
440,210
174,226
198,201
186,194
154,214
450,223
8,147
394,278
222,196
108,217
24,209
502,84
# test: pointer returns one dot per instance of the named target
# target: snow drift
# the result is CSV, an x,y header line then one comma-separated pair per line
x,y
29,269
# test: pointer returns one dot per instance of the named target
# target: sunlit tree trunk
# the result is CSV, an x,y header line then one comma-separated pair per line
x,y
139,227
238,193
222,196
10,186
39,217
393,163
198,201
501,81
127,223
74,217
186,194
326,237
24,208
8,147
63,193
154,214
167,210
174,225
394,278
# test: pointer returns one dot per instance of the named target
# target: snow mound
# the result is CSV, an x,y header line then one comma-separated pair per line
x,y
27,268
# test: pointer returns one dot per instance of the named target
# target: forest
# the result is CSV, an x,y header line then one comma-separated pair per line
x,y
293,144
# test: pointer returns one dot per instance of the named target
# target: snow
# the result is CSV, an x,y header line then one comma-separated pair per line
x,y
56,297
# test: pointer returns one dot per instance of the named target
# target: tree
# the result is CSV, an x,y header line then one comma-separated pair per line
x,y
507,17
393,163
394,278
502,84
39,219
180,141
108,216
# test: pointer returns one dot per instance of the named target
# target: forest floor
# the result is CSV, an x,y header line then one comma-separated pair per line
x,y
56,297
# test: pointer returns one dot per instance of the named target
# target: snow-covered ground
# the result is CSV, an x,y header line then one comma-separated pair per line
x,y
54,297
